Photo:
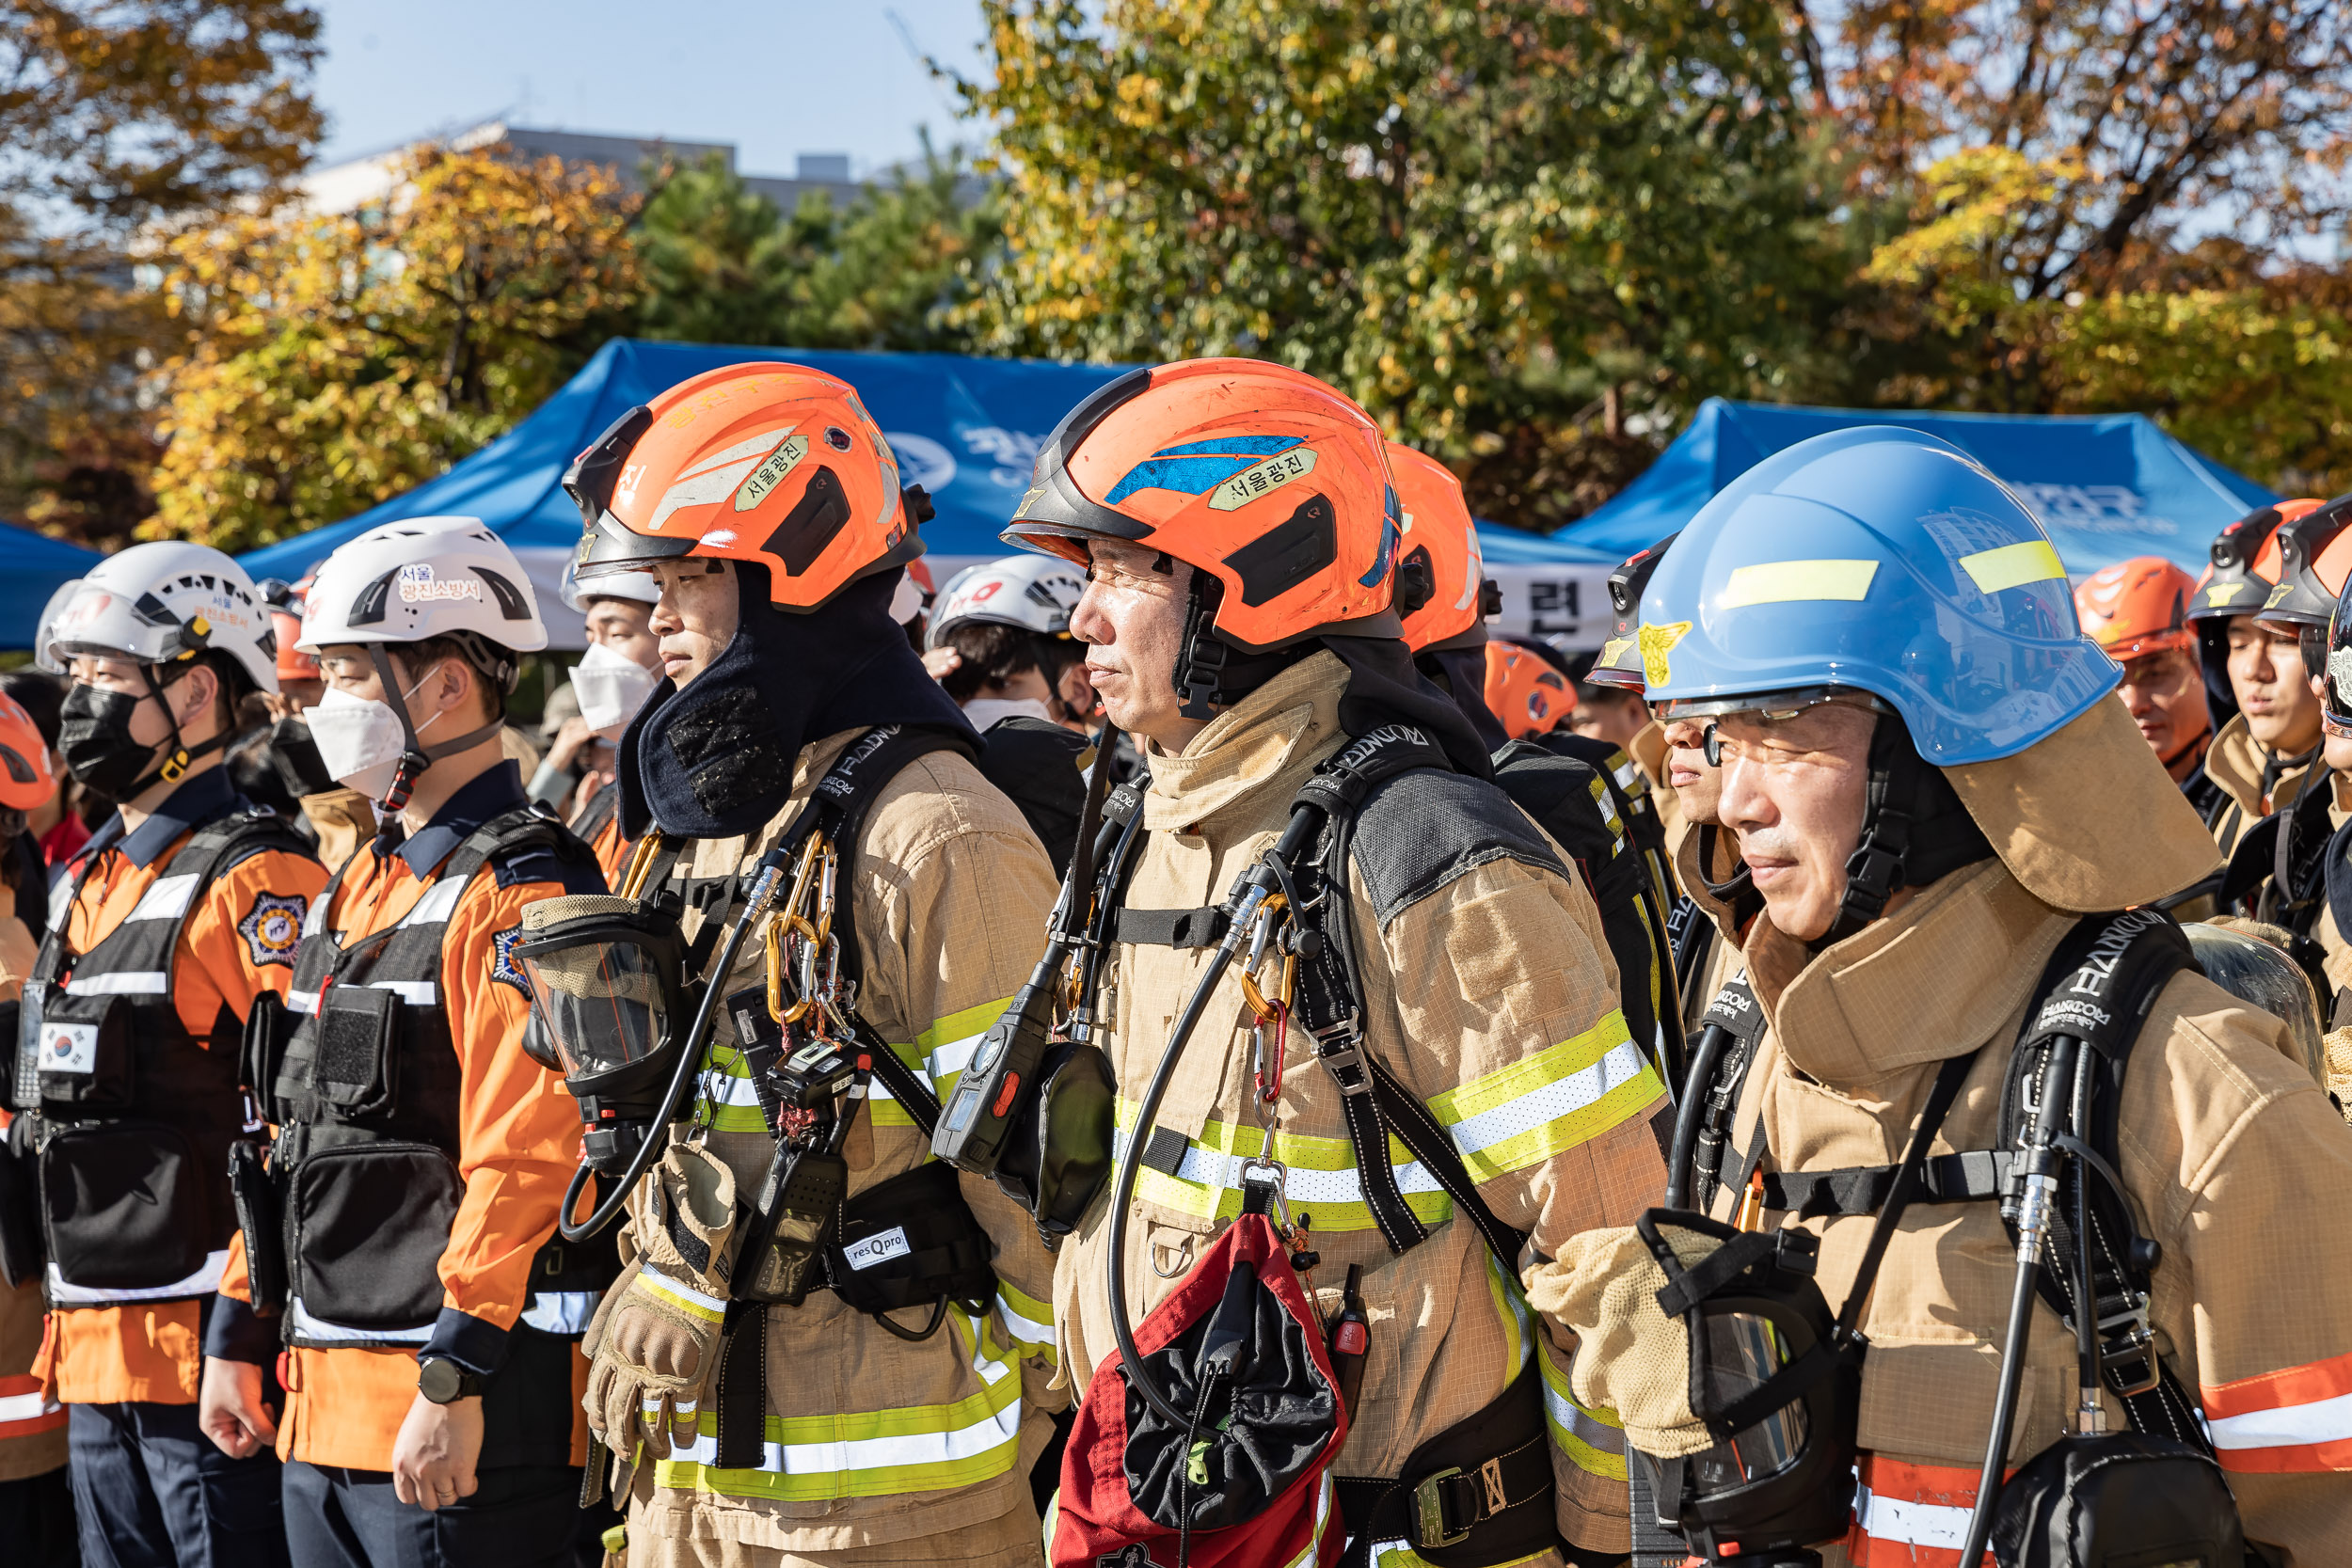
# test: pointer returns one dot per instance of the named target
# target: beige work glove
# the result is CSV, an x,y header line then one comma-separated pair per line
x,y
2339,1085
1631,1357
654,1338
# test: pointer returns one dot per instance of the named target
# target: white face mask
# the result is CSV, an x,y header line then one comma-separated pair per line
x,y
980,712
360,739
612,687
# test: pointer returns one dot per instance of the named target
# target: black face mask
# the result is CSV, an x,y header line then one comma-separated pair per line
x,y
296,756
94,733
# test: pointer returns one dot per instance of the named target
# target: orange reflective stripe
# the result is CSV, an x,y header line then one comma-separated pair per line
x,y
2296,1419
25,1409
1910,1515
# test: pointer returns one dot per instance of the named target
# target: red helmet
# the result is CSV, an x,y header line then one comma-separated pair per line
x,y
770,464
1441,567
1525,690
285,619
1257,475
2137,607
26,782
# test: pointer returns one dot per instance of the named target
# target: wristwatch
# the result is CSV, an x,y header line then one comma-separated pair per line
x,y
444,1381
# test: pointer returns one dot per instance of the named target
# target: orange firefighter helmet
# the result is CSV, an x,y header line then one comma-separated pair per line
x,y
26,782
1257,475
1526,690
1442,591
2137,607
770,464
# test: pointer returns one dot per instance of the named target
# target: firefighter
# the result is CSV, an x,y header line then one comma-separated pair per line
x,y
2262,752
612,681
763,1399
1907,720
168,929
428,1324
1239,618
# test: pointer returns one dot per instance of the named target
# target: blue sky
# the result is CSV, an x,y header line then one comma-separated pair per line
x,y
776,77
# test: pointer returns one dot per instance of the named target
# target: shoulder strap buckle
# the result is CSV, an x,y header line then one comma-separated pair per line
x,y
2127,1359
1341,1050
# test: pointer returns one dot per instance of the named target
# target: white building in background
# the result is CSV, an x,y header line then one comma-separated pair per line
x,y
365,180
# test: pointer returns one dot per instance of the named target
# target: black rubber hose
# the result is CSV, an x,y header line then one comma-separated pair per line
x,y
1712,1039
688,1069
1248,897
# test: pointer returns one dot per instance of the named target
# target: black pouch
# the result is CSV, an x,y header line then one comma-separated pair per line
x,y
366,1225
123,1205
2124,1499
84,1052
23,1255
1069,1146
355,1069
911,1242
258,1216
268,1025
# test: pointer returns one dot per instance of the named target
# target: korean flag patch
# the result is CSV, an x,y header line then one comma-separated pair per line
x,y
502,959
273,928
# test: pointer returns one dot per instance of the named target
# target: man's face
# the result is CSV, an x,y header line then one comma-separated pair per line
x,y
1795,790
2266,674
1132,619
625,627
432,691
696,618
2165,693
1698,787
191,697
1616,717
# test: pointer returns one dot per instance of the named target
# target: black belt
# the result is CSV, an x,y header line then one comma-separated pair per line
x,y
1478,1493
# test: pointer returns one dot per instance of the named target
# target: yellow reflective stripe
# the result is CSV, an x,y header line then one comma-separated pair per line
x,y
1321,1182
1791,581
2014,566
1519,1322
962,1026
939,1056
1594,1439
1029,1321
1568,1094
1397,1554
873,1453
678,1296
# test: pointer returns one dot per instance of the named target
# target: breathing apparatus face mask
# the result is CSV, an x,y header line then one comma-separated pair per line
x,y
606,977
612,687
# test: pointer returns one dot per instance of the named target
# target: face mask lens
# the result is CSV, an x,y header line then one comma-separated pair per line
x,y
1743,1350
2312,641
606,1004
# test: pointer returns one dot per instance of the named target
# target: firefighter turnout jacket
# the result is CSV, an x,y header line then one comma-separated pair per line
x,y
2256,781
874,1441
1487,991
421,1156
161,941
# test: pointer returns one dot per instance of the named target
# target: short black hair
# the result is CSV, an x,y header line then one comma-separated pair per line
x,y
994,653
41,695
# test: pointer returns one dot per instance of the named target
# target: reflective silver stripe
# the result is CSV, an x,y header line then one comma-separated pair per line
x,y
121,982
60,900
302,1001
439,903
417,993
203,1282
299,1319
27,1407
561,1311
315,920
168,899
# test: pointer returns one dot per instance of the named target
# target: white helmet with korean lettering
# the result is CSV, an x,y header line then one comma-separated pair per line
x,y
638,587
1035,592
160,604
420,580
427,576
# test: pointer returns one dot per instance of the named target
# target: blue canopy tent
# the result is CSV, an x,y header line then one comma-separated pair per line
x,y
2107,486
33,566
965,429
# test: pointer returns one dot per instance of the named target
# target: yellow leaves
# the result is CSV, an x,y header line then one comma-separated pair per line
x,y
1975,200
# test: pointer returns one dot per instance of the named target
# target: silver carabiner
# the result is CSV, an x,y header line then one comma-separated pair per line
x,y
1281,1175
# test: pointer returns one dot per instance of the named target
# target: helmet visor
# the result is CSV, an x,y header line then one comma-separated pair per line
x,y
2327,658
605,982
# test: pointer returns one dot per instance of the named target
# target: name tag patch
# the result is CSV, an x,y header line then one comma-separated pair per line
x,y
874,1249
69,1048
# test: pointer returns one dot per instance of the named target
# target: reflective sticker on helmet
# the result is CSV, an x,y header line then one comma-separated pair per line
x,y
1613,651
1791,581
1262,480
1192,468
272,928
418,583
2012,565
2340,671
1656,643
773,470
2277,594
2220,593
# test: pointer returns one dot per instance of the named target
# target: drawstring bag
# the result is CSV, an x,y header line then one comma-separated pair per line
x,y
1244,1484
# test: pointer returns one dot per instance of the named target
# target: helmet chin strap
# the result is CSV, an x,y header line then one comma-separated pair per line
x,y
175,764
1211,673
415,756
1915,831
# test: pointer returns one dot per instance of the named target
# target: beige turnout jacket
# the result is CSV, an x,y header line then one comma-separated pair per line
x,y
2236,761
2234,1160
1492,997
873,1440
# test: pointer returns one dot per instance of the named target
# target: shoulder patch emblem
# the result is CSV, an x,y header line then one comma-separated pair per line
x,y
273,928
502,959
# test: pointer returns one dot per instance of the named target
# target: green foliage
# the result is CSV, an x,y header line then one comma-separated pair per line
x,y
1488,222
886,272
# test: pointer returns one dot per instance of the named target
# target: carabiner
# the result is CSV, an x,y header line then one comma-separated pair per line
x,y
1282,1180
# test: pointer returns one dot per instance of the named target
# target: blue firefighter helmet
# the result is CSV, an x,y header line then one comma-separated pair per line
x,y
1882,561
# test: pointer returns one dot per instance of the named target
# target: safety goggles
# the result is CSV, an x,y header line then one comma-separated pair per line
x,y
1775,707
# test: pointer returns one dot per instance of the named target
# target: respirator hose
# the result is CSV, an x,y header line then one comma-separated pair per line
x,y
1249,896
1694,1104
772,867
